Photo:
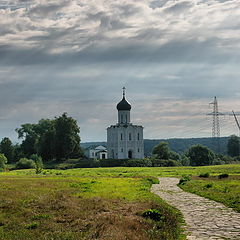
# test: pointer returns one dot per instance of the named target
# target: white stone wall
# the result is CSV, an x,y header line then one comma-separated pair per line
x,y
123,117
122,138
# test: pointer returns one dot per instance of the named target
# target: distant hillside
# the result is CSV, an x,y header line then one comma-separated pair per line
x,y
179,145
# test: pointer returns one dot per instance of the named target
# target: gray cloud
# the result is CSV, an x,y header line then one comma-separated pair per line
x,y
75,56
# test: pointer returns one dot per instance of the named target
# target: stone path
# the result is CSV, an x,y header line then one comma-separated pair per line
x,y
205,219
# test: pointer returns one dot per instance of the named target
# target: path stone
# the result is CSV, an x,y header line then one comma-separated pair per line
x,y
205,219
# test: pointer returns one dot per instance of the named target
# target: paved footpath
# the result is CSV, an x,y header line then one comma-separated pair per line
x,y
205,219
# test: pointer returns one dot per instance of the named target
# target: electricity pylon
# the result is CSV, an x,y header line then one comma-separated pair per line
x,y
216,124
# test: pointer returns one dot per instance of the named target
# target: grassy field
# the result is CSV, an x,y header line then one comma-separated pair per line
x,y
66,207
101,203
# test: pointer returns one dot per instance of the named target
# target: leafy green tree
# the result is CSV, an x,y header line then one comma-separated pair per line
x,y
3,161
58,138
162,151
7,148
233,146
200,155
67,137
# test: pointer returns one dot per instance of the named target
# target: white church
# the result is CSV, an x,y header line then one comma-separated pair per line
x,y
124,139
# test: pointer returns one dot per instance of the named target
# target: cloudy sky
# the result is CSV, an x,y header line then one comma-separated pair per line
x,y
173,56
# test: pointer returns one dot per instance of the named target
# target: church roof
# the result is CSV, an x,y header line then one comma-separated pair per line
x,y
124,105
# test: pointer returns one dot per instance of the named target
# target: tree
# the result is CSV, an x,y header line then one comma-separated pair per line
x,y
3,161
162,150
57,138
200,155
67,137
7,149
233,146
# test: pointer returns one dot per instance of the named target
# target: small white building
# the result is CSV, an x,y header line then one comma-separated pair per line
x,y
125,140
99,152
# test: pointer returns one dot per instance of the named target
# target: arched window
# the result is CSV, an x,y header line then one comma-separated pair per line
x,y
130,136
138,137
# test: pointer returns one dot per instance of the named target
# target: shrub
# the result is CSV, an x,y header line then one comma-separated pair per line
x,y
38,163
138,163
153,214
3,161
184,179
33,225
223,175
209,185
204,175
165,163
25,163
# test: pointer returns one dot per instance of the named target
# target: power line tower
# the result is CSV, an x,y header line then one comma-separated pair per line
x,y
215,124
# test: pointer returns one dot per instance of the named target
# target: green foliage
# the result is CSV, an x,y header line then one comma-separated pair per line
x,y
153,214
162,151
33,225
3,161
184,179
25,163
138,163
204,175
165,163
38,163
7,148
209,185
200,155
223,175
51,139
233,146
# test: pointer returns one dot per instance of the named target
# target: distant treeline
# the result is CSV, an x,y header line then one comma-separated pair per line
x,y
179,145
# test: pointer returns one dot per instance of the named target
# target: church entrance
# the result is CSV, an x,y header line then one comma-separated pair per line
x,y
130,154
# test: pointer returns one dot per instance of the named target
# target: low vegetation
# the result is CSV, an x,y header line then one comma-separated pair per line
x,y
62,205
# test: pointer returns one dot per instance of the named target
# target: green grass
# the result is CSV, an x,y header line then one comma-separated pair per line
x,y
101,203
233,169
80,207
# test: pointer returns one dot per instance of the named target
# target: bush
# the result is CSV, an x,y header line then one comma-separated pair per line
x,y
183,180
209,185
223,175
25,163
38,163
3,161
138,163
204,175
165,163
153,214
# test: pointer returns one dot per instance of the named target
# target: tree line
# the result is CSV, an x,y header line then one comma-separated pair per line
x,y
58,140
51,139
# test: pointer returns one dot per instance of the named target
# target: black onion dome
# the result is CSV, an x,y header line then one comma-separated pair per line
x,y
124,105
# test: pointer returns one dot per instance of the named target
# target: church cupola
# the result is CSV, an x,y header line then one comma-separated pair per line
x,y
124,105
124,108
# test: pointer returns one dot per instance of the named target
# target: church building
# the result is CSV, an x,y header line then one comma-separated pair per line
x,y
125,140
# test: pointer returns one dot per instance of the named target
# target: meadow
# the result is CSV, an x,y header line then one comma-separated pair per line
x,y
101,203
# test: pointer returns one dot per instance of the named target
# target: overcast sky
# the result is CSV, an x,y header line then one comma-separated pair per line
x,y
173,56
